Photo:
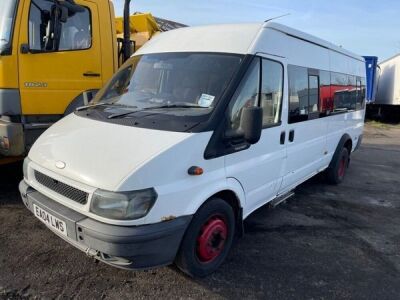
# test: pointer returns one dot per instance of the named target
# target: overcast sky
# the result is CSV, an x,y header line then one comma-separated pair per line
x,y
362,26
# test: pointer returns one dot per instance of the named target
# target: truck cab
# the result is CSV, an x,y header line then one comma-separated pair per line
x,y
54,56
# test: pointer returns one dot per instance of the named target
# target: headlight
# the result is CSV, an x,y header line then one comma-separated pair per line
x,y
25,167
123,205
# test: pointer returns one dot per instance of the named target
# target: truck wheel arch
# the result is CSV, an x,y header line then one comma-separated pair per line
x,y
78,101
345,141
232,193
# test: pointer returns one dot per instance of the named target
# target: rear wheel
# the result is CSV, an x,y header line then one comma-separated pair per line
x,y
337,171
208,239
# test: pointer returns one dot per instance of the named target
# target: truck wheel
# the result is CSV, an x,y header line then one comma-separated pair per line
x,y
336,173
207,240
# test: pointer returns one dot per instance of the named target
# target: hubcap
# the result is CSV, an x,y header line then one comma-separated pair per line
x,y
211,239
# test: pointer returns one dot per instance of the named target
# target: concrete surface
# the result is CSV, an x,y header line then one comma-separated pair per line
x,y
326,242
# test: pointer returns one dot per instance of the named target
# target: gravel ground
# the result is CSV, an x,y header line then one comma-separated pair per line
x,y
326,242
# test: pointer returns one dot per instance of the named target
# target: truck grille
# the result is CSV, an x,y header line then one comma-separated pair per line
x,y
61,188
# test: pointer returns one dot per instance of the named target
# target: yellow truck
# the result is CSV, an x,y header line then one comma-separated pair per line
x,y
54,56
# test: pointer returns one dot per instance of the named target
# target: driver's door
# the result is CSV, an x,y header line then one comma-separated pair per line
x,y
50,80
259,168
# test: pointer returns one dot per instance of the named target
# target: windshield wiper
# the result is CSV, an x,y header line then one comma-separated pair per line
x,y
174,106
90,106
102,104
154,107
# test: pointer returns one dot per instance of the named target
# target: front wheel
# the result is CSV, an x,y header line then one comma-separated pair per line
x,y
337,171
208,239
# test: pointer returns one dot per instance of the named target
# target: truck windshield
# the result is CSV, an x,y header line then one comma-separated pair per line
x,y
7,14
171,83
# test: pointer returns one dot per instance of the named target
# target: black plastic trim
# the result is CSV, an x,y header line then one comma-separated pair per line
x,y
339,148
360,138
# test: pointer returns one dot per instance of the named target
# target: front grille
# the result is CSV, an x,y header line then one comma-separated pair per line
x,y
61,188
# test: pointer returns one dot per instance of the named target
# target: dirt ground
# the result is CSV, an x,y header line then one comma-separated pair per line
x,y
326,242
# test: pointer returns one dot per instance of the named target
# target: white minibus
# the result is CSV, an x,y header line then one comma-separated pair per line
x,y
197,130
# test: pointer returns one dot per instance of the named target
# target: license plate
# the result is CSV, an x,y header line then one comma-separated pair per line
x,y
51,221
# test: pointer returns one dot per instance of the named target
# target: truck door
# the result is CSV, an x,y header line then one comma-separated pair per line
x,y
259,168
307,128
50,76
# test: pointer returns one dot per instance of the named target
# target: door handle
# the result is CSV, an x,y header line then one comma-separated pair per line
x,y
91,74
24,48
291,135
283,137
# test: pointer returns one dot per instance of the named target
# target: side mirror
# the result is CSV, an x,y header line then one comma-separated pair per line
x,y
63,14
71,7
251,123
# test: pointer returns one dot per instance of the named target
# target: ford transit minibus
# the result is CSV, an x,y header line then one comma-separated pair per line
x,y
197,130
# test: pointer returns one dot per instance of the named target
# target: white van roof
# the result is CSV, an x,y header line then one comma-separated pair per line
x,y
310,38
227,38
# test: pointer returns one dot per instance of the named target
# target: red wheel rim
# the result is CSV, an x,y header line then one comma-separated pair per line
x,y
342,167
211,239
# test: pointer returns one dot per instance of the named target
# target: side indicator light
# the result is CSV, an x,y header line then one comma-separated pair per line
x,y
195,171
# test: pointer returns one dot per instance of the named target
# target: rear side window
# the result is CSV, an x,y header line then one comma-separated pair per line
x,y
360,101
317,93
344,92
75,34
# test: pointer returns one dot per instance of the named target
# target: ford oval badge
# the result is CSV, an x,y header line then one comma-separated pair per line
x,y
60,164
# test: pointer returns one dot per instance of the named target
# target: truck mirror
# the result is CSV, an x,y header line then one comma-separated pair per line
x,y
71,7
251,123
250,128
63,14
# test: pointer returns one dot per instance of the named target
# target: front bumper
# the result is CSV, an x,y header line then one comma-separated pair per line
x,y
128,247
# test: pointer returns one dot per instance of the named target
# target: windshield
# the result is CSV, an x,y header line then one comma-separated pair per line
x,y
7,12
171,82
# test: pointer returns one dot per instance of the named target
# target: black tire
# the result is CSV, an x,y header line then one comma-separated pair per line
x,y
188,258
337,171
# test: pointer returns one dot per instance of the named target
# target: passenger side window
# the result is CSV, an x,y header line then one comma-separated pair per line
x,y
360,94
246,95
344,92
313,93
75,33
325,98
318,93
271,91
298,94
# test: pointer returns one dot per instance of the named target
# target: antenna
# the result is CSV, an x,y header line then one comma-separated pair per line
x,y
278,17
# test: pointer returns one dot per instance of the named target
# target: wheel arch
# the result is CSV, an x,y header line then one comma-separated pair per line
x,y
79,101
232,194
233,200
344,142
